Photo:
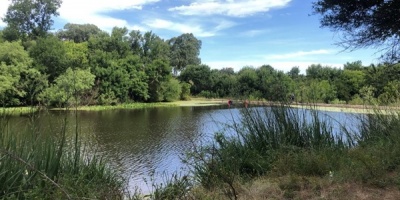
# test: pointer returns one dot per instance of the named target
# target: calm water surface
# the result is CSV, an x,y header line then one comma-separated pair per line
x,y
141,142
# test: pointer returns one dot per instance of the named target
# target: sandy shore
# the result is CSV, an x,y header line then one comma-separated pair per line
x,y
319,106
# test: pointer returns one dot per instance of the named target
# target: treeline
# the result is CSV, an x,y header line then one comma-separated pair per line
x,y
352,84
82,64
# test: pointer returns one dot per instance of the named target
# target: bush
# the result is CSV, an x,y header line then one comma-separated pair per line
x,y
185,91
171,90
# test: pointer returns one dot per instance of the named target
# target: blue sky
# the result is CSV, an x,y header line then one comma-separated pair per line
x,y
234,33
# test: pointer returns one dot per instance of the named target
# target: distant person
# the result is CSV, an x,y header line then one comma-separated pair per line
x,y
230,103
246,103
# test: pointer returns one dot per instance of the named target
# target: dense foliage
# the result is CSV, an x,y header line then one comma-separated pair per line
x,y
364,23
130,66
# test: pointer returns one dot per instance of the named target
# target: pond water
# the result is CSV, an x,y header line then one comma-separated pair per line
x,y
151,141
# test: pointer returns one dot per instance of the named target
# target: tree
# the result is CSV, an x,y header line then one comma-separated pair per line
x,y
185,50
158,72
322,73
294,72
20,83
223,82
248,82
198,76
357,65
149,47
68,87
364,23
320,91
76,54
349,83
49,57
78,32
31,18
171,90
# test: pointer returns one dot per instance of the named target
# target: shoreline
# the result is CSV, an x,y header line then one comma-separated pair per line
x,y
199,102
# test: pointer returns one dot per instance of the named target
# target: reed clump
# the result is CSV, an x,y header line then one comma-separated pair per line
x,y
280,141
36,165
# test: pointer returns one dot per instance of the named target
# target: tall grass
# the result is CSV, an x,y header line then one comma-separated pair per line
x,y
34,164
280,141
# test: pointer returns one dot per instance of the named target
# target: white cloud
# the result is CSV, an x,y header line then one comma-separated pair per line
x,y
92,11
252,33
299,54
234,8
197,30
3,10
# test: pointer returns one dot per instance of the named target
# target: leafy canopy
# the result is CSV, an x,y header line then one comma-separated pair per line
x,y
366,23
30,18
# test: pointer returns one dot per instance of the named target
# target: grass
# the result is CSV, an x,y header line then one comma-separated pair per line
x,y
17,110
34,165
122,106
274,153
294,149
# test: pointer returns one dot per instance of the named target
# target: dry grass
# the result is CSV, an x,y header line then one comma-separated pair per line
x,y
302,188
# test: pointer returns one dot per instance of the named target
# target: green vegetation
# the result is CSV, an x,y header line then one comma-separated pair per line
x,y
18,111
130,66
127,106
363,24
294,150
34,165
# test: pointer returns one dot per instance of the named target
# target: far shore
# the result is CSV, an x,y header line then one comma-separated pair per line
x,y
196,102
348,108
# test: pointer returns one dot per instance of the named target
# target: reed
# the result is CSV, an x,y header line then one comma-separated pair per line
x,y
280,141
35,165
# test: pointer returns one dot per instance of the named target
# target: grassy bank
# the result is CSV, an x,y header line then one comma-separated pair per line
x,y
286,153
35,165
17,111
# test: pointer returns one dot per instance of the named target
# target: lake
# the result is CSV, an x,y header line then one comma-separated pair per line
x,y
151,141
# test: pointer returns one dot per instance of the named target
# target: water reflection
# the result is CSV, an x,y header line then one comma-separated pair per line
x,y
138,142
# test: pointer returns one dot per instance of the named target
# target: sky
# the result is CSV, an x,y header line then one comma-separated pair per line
x,y
234,33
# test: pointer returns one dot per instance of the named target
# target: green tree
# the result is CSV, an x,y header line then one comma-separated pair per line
x,y
198,76
158,73
31,18
379,76
363,23
76,54
78,32
357,65
1,36
9,91
248,83
349,84
20,83
149,46
49,57
223,82
171,90
68,88
294,73
185,51
391,93
321,91
317,71
185,91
